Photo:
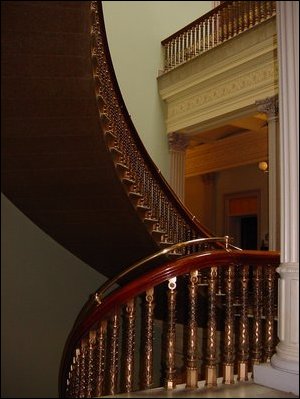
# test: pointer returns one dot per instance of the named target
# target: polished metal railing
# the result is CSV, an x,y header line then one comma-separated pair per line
x,y
190,246
224,22
229,321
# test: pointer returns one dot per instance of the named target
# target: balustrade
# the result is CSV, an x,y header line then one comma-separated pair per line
x,y
224,22
236,330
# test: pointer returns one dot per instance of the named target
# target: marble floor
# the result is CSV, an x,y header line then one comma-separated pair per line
x,y
241,390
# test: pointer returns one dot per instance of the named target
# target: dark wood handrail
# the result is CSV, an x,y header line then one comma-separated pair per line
x,y
155,277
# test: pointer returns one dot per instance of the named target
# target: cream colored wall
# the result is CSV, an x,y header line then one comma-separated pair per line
x,y
43,288
135,30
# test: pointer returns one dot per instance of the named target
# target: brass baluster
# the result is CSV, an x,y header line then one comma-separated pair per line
x,y
234,19
228,364
220,26
256,12
243,351
230,21
269,344
251,14
225,24
83,369
257,316
101,339
245,10
72,379
240,17
262,11
147,344
210,368
113,353
77,373
170,380
209,33
91,364
129,345
192,351
268,9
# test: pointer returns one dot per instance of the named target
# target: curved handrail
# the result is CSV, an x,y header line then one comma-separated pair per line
x,y
157,276
108,284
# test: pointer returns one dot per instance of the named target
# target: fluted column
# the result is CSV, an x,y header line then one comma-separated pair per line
x,y
269,106
283,372
177,146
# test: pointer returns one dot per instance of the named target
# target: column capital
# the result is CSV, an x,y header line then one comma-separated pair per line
x,y
177,141
268,106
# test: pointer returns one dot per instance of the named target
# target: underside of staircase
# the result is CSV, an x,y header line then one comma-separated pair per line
x,y
56,166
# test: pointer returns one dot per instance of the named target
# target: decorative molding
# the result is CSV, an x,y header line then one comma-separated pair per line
x,y
224,80
268,106
222,98
177,142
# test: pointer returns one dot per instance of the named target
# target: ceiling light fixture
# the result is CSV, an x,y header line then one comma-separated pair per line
x,y
263,166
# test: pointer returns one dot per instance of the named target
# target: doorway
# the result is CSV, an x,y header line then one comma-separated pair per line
x,y
242,219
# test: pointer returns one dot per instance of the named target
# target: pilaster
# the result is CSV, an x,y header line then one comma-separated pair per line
x,y
269,106
177,147
283,372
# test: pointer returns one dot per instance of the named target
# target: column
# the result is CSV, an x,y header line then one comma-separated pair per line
x,y
283,372
269,106
177,146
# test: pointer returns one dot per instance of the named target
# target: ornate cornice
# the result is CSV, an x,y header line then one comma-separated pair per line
x,y
177,141
268,106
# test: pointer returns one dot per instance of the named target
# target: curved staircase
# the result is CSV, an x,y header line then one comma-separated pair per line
x,y
62,164
73,162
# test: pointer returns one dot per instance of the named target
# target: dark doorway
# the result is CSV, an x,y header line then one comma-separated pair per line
x,y
248,232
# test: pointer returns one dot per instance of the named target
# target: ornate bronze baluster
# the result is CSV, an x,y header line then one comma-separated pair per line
x,y
91,364
230,21
147,344
257,316
129,345
243,351
256,12
77,373
251,13
192,352
245,10
83,369
72,379
170,381
228,364
100,358
113,353
269,344
210,368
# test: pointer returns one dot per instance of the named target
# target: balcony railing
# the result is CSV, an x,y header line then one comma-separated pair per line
x,y
215,27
